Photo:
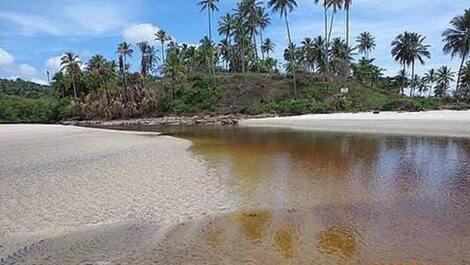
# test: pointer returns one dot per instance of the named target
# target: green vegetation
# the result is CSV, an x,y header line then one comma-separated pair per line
x,y
232,77
22,101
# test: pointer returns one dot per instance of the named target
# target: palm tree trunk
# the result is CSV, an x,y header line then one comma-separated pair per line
x,y
256,53
327,44
347,40
457,88
331,26
124,71
413,81
210,40
291,57
74,87
243,54
261,43
163,53
404,79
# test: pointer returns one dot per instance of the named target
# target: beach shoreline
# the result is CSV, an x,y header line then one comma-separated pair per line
x,y
443,123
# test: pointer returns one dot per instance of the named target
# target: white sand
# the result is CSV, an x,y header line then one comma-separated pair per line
x,y
431,123
76,183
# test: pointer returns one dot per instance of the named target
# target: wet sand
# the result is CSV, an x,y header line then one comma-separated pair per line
x,y
80,186
430,123
231,196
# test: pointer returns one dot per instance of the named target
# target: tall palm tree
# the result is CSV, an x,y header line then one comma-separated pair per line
x,y
347,6
457,39
70,62
430,78
324,4
210,6
124,51
444,77
308,56
365,43
335,5
319,52
263,23
407,48
465,80
162,36
284,7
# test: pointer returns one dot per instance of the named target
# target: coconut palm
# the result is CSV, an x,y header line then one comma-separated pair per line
x,y
319,52
70,63
162,36
284,7
457,39
124,51
444,77
334,5
268,46
408,48
308,56
365,43
210,6
347,6
173,67
465,81
227,26
430,78
264,21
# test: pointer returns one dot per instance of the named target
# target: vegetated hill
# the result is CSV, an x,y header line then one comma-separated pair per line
x,y
24,89
231,93
22,101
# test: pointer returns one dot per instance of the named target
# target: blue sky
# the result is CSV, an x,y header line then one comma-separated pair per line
x,y
35,33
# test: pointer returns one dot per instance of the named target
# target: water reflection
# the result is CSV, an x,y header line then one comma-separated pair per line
x,y
336,198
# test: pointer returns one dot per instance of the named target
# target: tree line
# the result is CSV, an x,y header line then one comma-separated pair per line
x,y
244,47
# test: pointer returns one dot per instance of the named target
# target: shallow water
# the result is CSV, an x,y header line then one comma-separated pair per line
x,y
323,198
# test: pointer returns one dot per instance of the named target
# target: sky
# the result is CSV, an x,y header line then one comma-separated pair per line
x,y
35,33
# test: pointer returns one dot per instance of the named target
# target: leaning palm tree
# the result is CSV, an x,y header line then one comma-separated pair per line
x,y
162,36
268,46
430,78
70,63
457,40
124,51
284,7
210,6
365,43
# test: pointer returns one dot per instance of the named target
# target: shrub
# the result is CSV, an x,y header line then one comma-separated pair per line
x,y
295,106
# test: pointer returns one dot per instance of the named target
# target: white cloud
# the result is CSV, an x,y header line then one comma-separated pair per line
x,y
140,32
6,58
53,64
39,81
26,70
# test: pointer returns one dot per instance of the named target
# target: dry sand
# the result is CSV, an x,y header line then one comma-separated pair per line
x,y
430,123
66,191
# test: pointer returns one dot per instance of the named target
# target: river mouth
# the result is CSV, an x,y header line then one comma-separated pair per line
x,y
338,198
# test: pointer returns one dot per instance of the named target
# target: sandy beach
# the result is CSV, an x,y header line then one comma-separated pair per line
x,y
95,186
430,123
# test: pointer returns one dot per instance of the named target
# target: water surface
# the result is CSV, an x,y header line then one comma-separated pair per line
x,y
332,198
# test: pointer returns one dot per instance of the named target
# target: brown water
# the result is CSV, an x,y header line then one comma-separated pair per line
x,y
323,198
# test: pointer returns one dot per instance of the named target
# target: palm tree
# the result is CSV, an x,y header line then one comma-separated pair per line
x,y
227,26
319,52
465,80
268,46
263,22
162,36
124,51
149,58
365,43
408,48
70,63
283,7
335,5
457,40
308,56
210,6
324,3
444,77
173,67
347,6
430,78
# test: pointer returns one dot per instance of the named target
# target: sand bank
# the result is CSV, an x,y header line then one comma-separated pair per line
x,y
431,123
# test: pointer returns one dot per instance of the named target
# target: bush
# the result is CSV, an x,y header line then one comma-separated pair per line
x,y
23,110
403,104
295,106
